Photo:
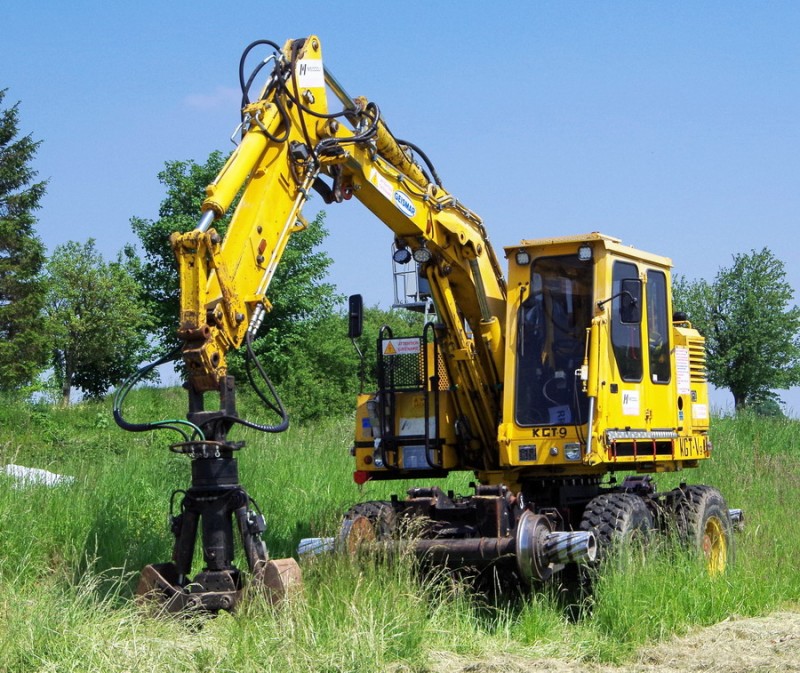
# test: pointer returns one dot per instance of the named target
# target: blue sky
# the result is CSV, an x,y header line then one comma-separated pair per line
x,y
674,126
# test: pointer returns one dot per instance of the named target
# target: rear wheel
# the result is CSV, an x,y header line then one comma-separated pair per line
x,y
617,519
704,524
367,522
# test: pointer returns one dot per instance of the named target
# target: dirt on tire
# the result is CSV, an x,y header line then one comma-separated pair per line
x,y
763,644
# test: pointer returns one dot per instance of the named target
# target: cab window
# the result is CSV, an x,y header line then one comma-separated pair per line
x,y
551,342
658,326
626,338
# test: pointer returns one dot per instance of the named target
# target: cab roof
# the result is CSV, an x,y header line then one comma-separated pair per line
x,y
610,243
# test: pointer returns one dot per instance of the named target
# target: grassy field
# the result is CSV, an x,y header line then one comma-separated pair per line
x,y
70,556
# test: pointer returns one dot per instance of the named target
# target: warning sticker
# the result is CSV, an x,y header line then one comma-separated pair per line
x,y
400,346
682,370
383,185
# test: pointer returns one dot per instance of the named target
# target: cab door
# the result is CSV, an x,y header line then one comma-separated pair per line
x,y
659,396
626,401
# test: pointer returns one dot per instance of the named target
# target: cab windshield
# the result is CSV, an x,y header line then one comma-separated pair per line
x,y
552,325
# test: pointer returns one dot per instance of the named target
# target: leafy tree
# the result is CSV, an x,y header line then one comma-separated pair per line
x,y
185,182
297,291
96,319
318,370
752,331
22,339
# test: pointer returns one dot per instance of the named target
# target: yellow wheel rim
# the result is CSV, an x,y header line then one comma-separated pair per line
x,y
715,546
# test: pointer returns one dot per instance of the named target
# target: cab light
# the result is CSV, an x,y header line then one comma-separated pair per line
x,y
523,257
402,256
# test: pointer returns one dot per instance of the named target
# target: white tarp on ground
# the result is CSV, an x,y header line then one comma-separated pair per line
x,y
30,476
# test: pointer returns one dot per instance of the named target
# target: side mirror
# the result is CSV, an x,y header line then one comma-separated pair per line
x,y
355,316
630,301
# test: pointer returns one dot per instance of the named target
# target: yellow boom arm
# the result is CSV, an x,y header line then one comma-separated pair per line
x,y
290,142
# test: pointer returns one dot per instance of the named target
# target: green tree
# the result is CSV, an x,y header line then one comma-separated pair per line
x,y
185,182
318,368
298,292
752,330
96,318
22,338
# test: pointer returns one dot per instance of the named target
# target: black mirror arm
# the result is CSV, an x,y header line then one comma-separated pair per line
x,y
602,303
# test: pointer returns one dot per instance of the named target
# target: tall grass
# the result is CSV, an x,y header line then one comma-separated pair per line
x,y
71,554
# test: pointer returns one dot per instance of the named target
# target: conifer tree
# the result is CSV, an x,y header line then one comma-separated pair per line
x,y
22,338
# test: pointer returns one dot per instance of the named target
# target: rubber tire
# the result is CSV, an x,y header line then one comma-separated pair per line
x,y
380,524
701,514
616,519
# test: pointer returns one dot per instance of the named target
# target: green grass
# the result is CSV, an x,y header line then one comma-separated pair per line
x,y
70,558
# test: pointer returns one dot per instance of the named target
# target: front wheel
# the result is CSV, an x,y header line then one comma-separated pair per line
x,y
617,519
704,524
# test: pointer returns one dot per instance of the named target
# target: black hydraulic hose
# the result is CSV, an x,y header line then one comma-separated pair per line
x,y
368,134
249,83
267,402
127,386
277,407
277,83
424,157
242,60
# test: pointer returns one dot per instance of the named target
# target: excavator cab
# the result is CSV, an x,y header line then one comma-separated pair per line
x,y
601,378
552,321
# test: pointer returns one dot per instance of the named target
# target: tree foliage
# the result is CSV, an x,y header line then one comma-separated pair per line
x,y
298,292
22,338
96,318
752,330
185,182
317,370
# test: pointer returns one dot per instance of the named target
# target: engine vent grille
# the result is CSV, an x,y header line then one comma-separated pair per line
x,y
697,360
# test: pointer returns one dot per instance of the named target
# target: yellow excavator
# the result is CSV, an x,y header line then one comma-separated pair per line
x,y
544,382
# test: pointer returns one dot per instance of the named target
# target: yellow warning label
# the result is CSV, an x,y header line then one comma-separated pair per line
x,y
407,346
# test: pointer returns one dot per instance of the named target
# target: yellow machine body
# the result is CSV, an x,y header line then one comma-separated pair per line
x,y
583,392
540,381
